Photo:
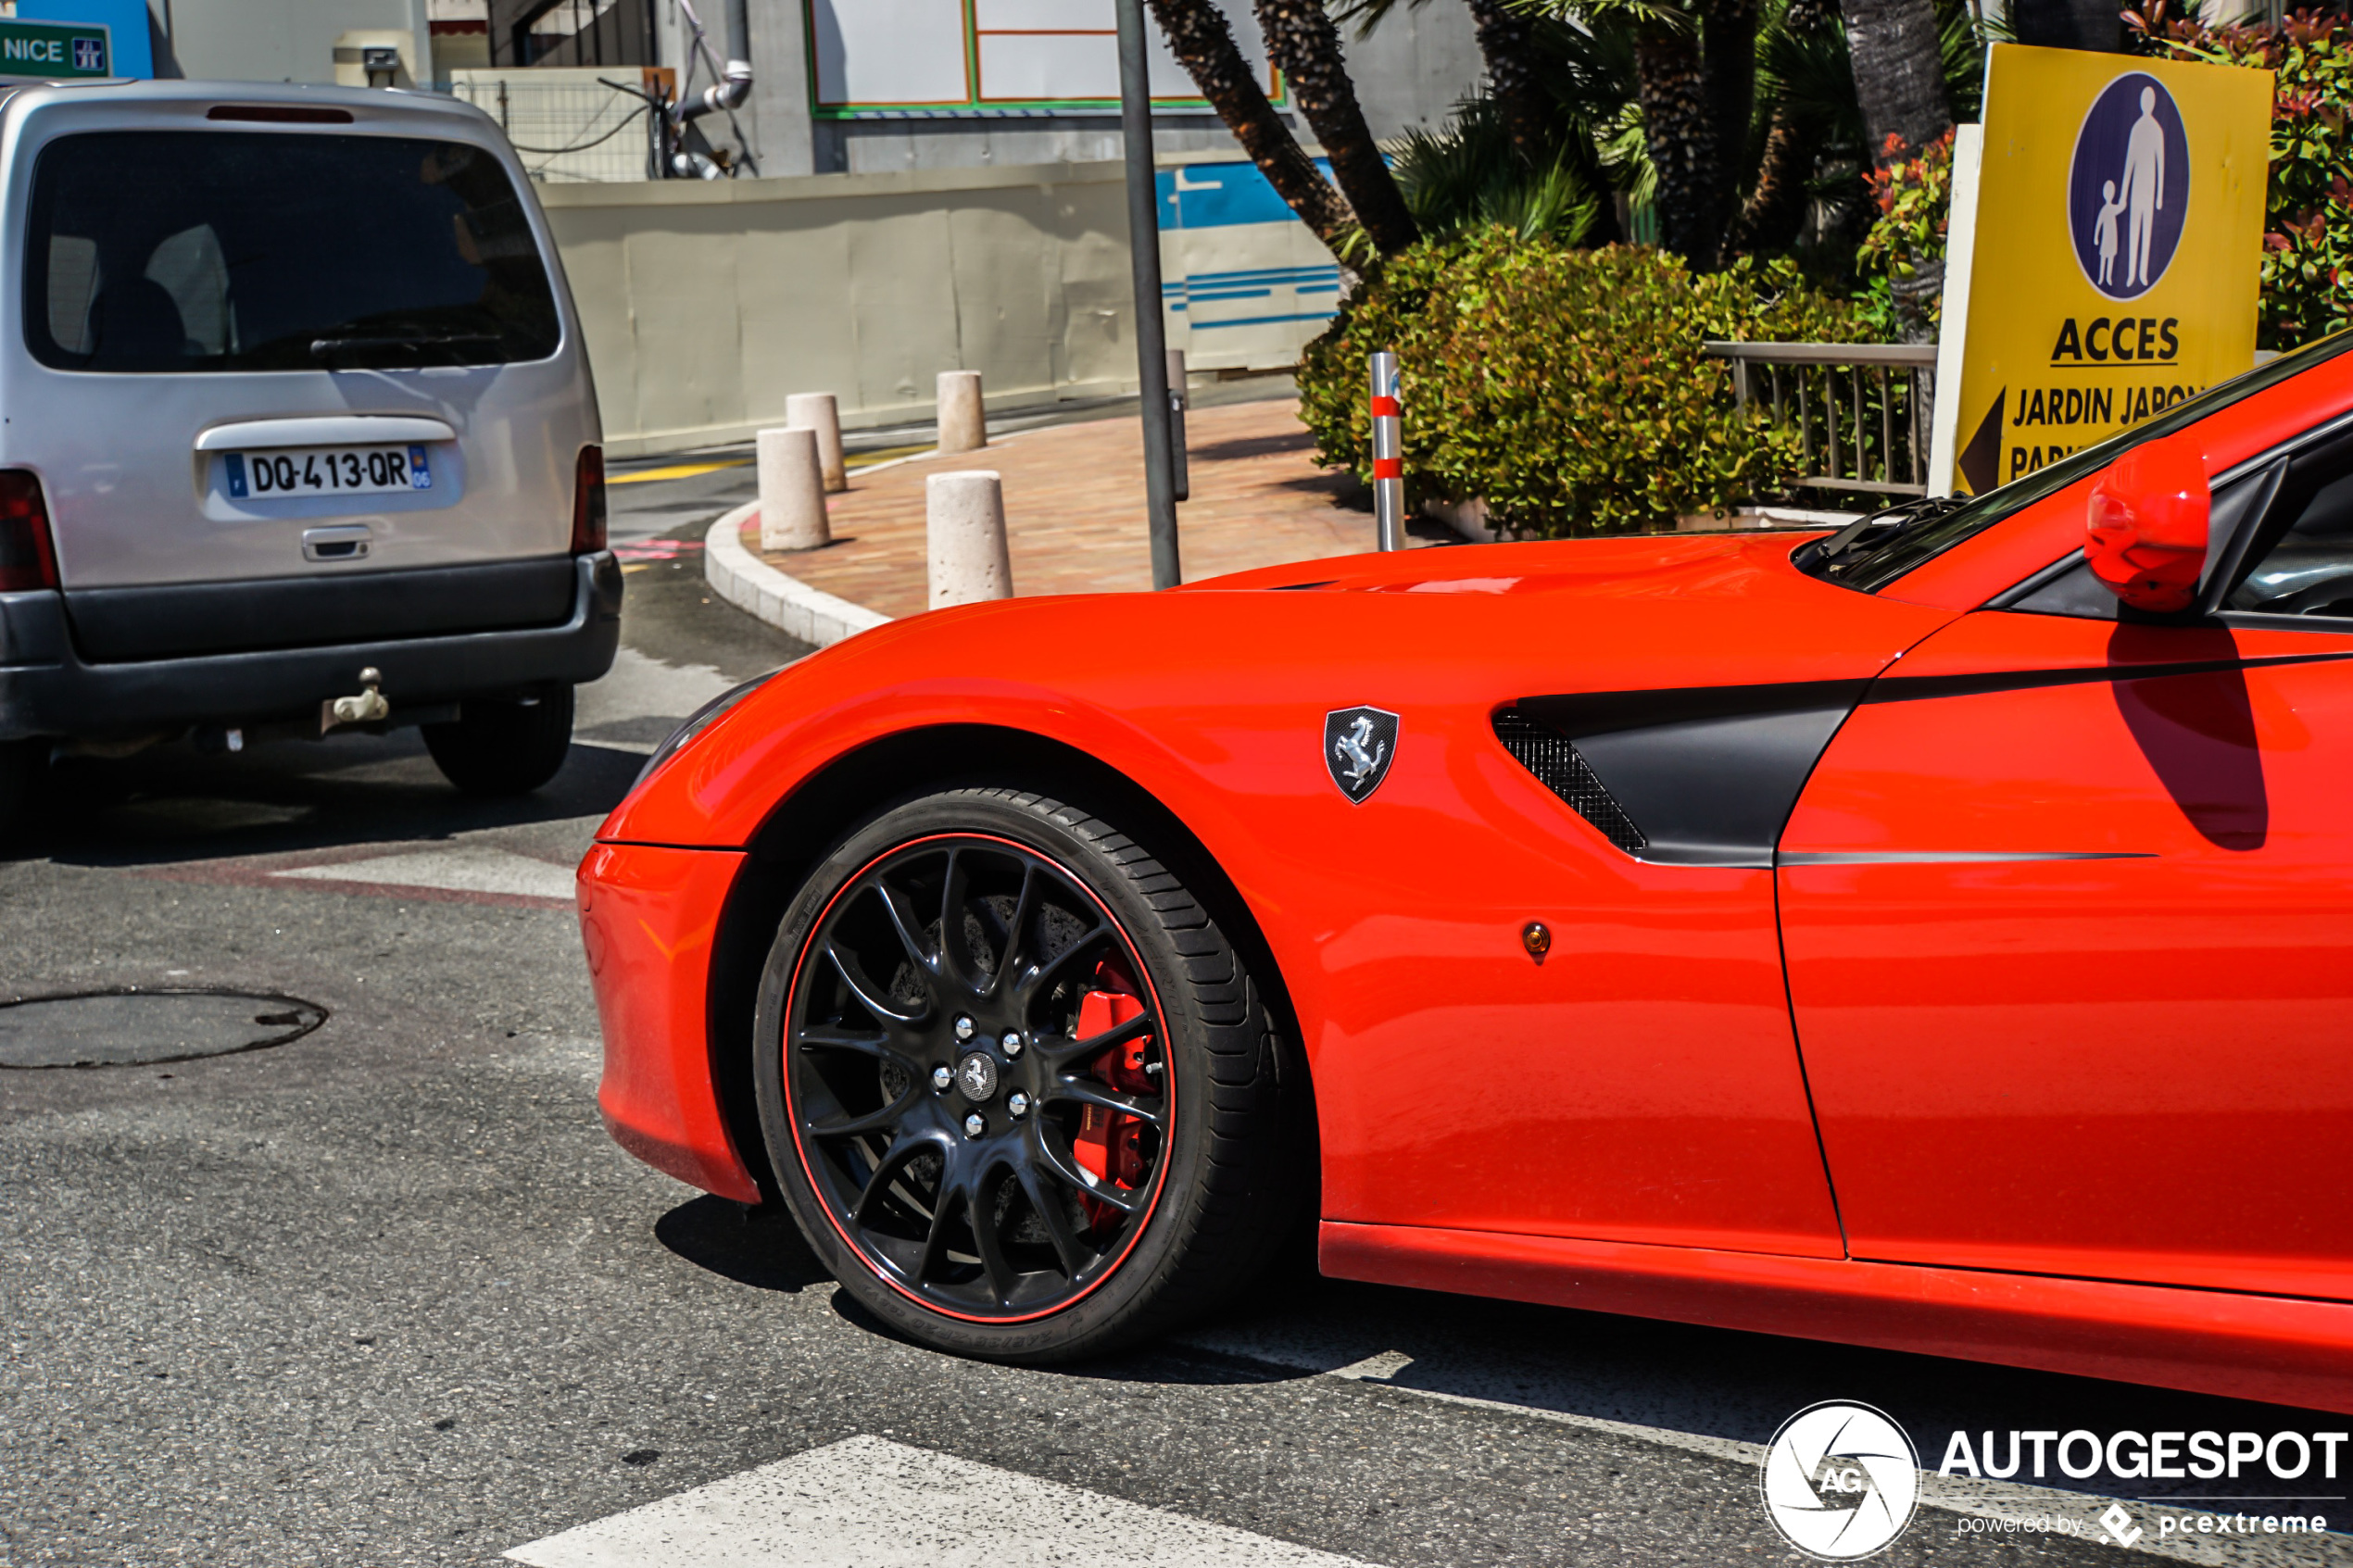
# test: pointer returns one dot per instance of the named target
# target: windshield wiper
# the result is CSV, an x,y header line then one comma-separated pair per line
x,y
1832,557
327,349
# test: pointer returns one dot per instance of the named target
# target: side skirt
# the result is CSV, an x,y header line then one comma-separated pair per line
x,y
2281,1349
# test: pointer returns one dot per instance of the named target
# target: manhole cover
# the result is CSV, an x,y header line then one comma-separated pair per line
x,y
134,1028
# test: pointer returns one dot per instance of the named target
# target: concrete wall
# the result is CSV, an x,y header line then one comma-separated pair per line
x,y
293,40
706,305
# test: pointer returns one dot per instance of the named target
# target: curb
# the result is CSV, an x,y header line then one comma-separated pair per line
x,y
786,603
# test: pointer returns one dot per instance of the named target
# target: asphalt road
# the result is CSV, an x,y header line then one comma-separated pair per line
x,y
387,1294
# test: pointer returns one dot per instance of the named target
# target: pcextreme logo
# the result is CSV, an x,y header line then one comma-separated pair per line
x,y
1842,1481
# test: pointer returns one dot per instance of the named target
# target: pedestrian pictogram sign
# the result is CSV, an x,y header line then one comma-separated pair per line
x,y
2103,254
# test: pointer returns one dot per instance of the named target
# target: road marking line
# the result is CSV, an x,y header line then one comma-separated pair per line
x,y
461,869
868,1502
876,459
676,471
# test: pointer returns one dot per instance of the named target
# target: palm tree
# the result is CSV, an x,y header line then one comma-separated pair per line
x,y
1507,45
1694,79
1896,48
1542,158
1799,52
1305,48
1204,46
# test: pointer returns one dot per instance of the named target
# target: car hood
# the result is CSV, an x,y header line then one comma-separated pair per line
x,y
1151,683
1642,564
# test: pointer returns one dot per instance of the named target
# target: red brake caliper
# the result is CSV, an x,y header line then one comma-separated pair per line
x,y
1108,1143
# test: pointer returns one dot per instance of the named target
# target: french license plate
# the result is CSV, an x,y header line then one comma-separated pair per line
x,y
328,470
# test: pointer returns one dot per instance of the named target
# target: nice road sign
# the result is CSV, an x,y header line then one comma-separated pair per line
x,y
2118,238
55,51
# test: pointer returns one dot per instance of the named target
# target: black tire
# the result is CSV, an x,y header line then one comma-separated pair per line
x,y
504,746
1220,1182
23,765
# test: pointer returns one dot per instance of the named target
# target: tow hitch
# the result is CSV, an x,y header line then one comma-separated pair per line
x,y
367,707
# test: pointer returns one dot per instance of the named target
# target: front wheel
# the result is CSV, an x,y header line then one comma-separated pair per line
x,y
1020,1092
504,746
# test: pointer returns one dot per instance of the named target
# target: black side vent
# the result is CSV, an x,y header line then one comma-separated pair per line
x,y
1549,755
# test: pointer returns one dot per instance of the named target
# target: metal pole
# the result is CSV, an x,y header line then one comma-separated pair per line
x,y
1151,336
1178,404
1389,454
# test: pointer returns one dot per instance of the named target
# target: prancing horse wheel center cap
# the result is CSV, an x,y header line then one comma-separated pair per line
x,y
976,1075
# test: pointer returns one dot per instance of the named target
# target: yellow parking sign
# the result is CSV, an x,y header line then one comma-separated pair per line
x,y
2111,251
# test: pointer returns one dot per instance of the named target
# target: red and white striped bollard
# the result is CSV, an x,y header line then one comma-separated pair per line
x,y
1389,454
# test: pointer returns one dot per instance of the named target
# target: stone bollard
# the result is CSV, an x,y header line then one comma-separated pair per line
x,y
963,423
965,514
792,493
817,411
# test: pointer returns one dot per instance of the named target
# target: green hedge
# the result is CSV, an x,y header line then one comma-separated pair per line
x,y
1564,387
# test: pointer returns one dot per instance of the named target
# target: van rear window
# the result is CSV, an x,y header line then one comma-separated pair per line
x,y
178,251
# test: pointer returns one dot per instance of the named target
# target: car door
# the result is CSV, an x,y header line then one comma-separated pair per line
x,y
2068,910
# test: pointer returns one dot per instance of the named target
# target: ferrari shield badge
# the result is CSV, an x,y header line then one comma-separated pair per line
x,y
1359,743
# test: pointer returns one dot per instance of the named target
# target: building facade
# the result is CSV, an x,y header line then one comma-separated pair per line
x,y
839,86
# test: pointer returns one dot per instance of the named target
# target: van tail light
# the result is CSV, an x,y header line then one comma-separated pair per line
x,y
27,559
589,502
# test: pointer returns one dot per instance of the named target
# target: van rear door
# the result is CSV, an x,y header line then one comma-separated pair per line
x,y
279,348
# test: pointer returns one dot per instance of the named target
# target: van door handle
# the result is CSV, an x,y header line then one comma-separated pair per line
x,y
336,429
339,541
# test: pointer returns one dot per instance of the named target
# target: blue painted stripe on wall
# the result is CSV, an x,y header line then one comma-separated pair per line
x,y
1217,195
1301,277
1266,321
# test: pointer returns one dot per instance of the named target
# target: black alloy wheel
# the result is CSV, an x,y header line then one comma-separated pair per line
x,y
950,1087
987,1103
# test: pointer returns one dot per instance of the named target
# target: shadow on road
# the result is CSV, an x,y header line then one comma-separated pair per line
x,y
761,1249
173,805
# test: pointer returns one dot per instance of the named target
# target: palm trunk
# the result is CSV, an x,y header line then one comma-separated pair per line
x,y
1775,212
1671,80
1305,46
1505,45
1899,74
1728,53
1204,45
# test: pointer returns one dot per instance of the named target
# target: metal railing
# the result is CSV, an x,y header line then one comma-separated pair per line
x,y
1862,410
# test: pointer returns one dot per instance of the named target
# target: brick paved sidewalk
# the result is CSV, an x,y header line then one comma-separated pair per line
x,y
1075,510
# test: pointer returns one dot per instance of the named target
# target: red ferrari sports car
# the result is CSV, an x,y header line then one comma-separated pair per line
x,y
1936,935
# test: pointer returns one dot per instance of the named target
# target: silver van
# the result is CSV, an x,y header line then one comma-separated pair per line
x,y
297,433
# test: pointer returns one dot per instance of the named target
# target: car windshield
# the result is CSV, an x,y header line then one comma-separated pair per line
x,y
179,251
1873,553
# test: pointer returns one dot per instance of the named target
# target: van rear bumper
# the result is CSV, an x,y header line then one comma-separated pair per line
x,y
47,688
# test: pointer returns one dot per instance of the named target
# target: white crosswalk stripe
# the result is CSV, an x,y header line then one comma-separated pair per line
x,y
470,867
868,1502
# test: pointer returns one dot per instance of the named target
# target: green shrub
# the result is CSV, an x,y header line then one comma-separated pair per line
x,y
2308,222
1901,264
1566,388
